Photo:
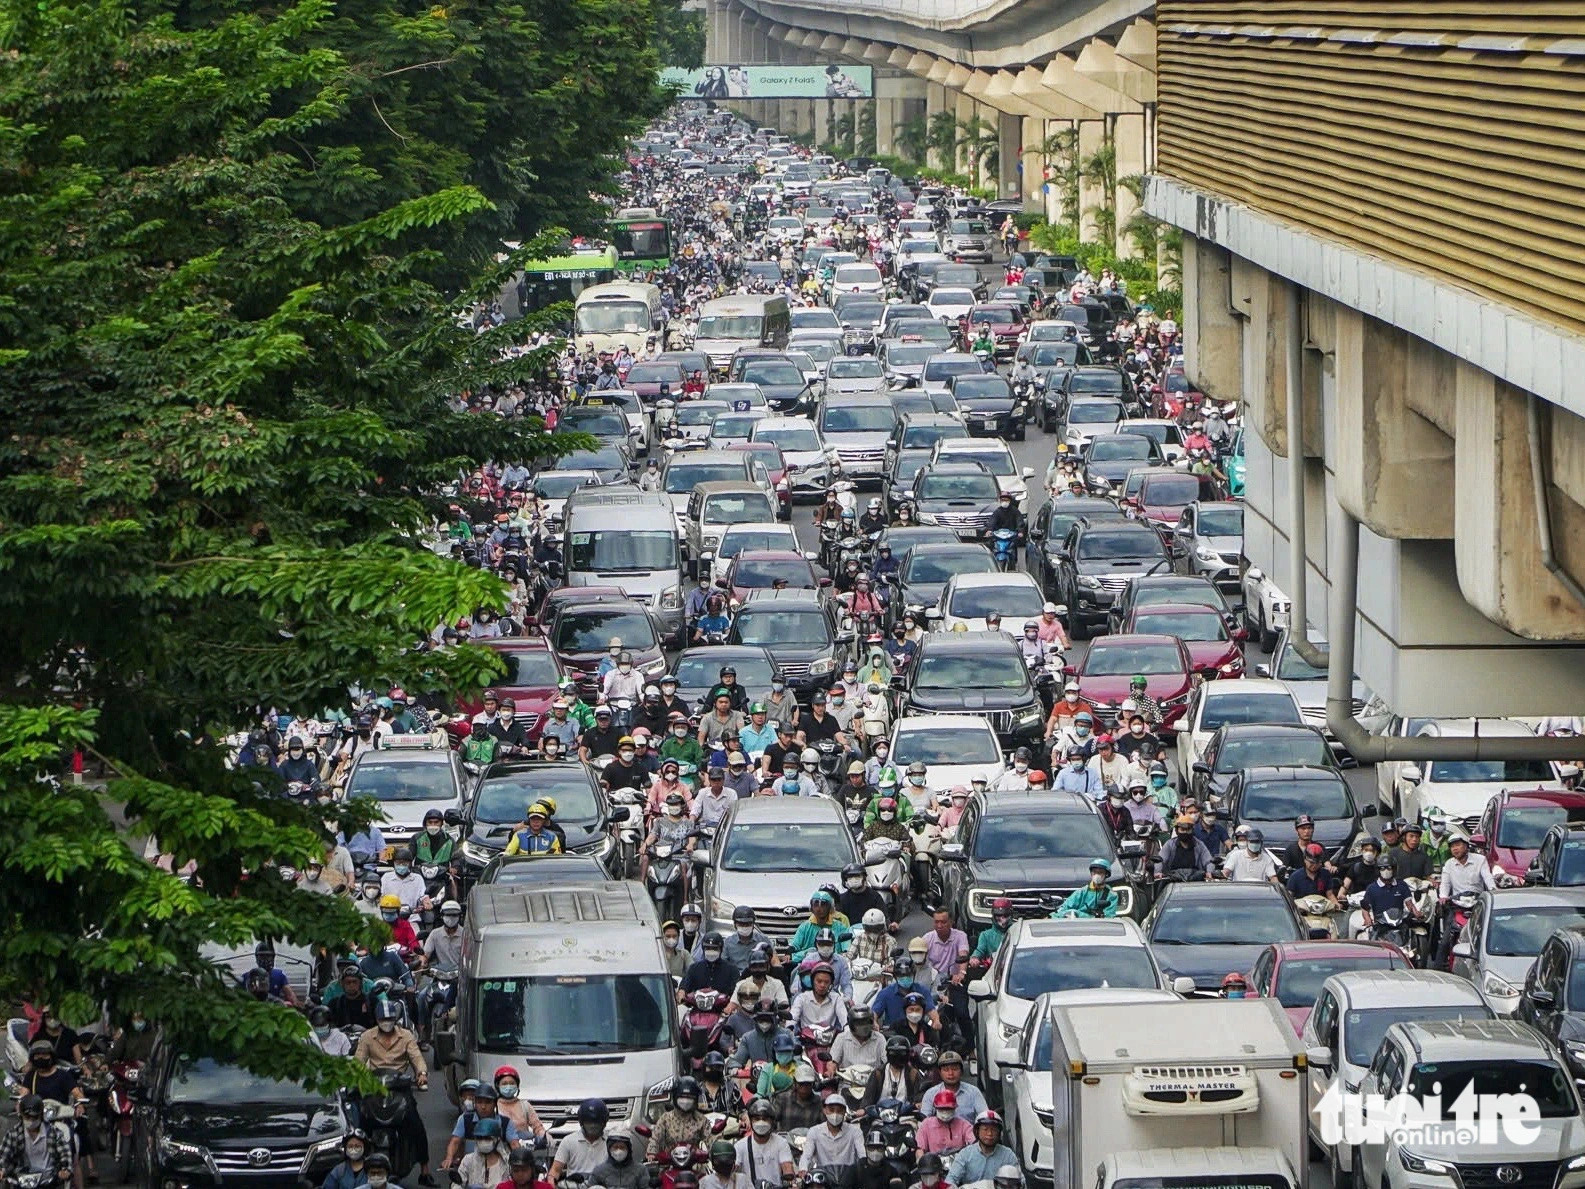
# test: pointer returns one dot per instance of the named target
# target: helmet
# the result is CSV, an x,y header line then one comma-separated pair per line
x,y
590,1110
873,919
487,1129
1001,907
722,1154
377,1160
930,1163
1023,753
714,1062
1234,980
824,933
387,1009
809,756
742,915
390,900
354,1133
903,964
761,1108
691,910
851,870
523,1156
506,1071
988,1119
450,907
897,1049
712,940
861,1015
875,503
945,1100
684,1087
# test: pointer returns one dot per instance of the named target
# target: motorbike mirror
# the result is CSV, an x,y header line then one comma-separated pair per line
x,y
1319,1056
1478,840
1461,950
1367,811
811,555
620,813
1347,761
981,989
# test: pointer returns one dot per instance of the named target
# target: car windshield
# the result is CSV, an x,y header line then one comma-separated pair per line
x,y
1123,543
918,247
682,477
608,458
655,373
738,397
529,667
1170,490
1521,932
1018,601
735,541
966,670
1299,979
1287,751
782,626
574,1013
591,631
1194,591
1521,827
950,297
937,566
1052,354
773,372
557,485
992,317
502,799
699,413
967,227
1078,967
1363,1029
865,368
1113,660
1095,382
761,572
786,846
1569,871
789,437
1221,522
1041,836
1225,920
1128,445
866,313
208,1081
816,319
737,508
1293,667
997,462
385,781
701,668
909,354
622,550
1549,1087
943,369
982,386
733,425
875,418
612,317
727,326
1284,800
1237,709
602,423
1094,412
946,745
1489,771
857,274
1200,627
958,487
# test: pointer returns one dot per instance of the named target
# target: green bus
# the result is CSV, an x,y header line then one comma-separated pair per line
x,y
642,241
562,278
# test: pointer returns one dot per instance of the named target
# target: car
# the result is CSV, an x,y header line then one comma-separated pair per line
x,y
857,427
698,670
1082,419
1032,847
552,488
1516,821
786,388
950,303
941,367
1233,747
1308,684
903,537
1265,608
1007,323
640,423
897,477
1093,565
543,871
1461,788
1553,1002
1127,495
201,1123
921,431
690,361
408,775
1047,331
1208,541
733,429
1454,1060
1165,433
960,496
500,801
1506,930
770,457
855,374
1093,318
1094,379
1235,700
581,635
1205,930
979,673
646,378
715,506
1212,648
925,569
857,276
1270,797
736,538
739,398
924,330
1106,460
1164,494
897,311
903,362
763,569
1352,1013
801,630
1040,957
685,470
967,239
995,456
959,276
989,405
1048,529
811,464
1294,971
1148,590
770,854
968,599
531,679
694,421
609,463
1110,665
954,748
1022,297
603,420
1560,861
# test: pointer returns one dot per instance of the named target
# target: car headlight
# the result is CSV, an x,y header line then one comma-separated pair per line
x,y
721,910
671,598
980,902
929,518
1495,984
1422,1164
476,852
325,1147
1208,556
654,668
1028,716
822,666
1089,583
175,1149
1181,700
1010,1030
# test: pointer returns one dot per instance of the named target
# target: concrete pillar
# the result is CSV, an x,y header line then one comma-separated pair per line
x,y
1092,136
1128,136
967,111
1032,179
1010,136
937,100
888,114
1213,333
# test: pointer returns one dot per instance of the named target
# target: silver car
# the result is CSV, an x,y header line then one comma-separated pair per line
x,y
1207,542
1506,931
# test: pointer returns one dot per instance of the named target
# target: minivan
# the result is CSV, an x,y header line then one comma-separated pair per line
x,y
567,986
620,536
714,506
742,320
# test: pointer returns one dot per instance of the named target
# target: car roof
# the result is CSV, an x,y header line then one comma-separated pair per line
x,y
965,642
800,597
1534,897
1491,1040
910,420
953,356
1133,638
1266,729
728,487
1220,888
934,721
1297,773
1227,687
1567,797
1016,803
1177,609
1332,949
1213,505
1366,989
963,466
1048,934
785,809
998,578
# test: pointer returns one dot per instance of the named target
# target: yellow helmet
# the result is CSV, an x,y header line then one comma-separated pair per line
x,y
537,809
550,806
390,900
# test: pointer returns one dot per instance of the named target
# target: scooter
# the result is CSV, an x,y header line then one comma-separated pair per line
x,y
1460,909
1004,548
119,1106
927,858
703,1025
664,880
853,1079
629,834
382,1118
1420,949
1319,915
887,873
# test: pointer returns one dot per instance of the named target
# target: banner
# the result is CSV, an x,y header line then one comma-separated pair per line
x,y
773,82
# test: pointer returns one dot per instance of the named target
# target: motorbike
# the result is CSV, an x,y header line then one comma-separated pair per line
x,y
382,1118
1420,948
928,886
1392,925
119,1105
853,1079
1460,909
1319,915
887,873
830,752
897,1121
816,1042
629,834
703,1026
1004,548
664,879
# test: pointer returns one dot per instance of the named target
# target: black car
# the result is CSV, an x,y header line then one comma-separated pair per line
x,y
785,388
916,431
1048,529
1554,995
1233,747
897,477
1097,380
1093,318
201,1123
1033,847
1159,587
801,630
1096,562
979,673
1107,458
989,406
501,798
1560,863
1269,797
611,462
961,496
699,669
925,569
1204,930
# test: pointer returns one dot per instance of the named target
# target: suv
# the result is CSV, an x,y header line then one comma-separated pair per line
x,y
976,673
504,793
686,469
961,496
770,854
715,506
1459,788
581,634
989,406
1270,797
532,679
1107,458
409,775
1560,863
921,431
1033,847
1093,567
1554,996
1505,932
857,427
1208,540
1049,526
801,630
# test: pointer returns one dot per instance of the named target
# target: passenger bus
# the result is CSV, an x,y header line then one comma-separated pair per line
x,y
642,239
619,314
563,278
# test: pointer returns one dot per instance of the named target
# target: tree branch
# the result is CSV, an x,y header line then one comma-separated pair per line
x,y
416,66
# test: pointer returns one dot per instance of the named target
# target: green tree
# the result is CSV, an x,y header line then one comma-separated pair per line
x,y
227,376
1061,152
912,138
942,138
844,129
679,35
866,142
1099,169
980,144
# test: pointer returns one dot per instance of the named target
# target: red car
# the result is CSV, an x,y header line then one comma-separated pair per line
x,y
531,680
1110,665
1293,971
1006,321
1163,496
776,467
761,569
1516,820
1213,649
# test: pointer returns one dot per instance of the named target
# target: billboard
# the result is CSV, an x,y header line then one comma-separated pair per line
x,y
831,81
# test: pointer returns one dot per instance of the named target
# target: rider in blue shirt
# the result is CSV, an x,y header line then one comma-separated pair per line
x,y
1388,893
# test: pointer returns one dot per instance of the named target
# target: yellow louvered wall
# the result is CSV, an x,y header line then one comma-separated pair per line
x,y
1449,136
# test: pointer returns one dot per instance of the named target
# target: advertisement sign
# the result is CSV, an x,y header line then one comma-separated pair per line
x,y
730,81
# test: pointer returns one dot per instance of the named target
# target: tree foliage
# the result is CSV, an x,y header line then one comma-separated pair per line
x,y
232,241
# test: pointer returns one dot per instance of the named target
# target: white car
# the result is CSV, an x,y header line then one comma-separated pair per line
x,y
735,538
917,251
1461,788
733,429
995,456
1047,330
811,464
786,229
1025,1065
949,303
1166,434
1238,700
954,748
858,277
969,598
553,488
854,374
1265,608
640,431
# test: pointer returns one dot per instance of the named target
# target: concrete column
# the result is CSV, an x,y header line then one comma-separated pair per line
x,y
1092,135
1213,333
1128,136
966,111
1033,177
888,114
1010,135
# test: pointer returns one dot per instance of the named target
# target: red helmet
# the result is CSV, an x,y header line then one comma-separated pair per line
x,y
1234,980
887,803
506,1071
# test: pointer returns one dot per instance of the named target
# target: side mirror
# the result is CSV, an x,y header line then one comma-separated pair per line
x,y
1007,1058
1410,774
1262,670
453,818
1347,761
1240,634
1183,985
952,852
1201,767
1478,840
1319,1056
1539,996
1461,950
1028,472
1534,874
981,989
620,813
700,856
1253,574
1368,811
811,555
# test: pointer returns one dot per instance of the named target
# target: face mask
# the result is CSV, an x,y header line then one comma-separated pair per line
x,y
1158,782
1235,994
627,756
946,1116
905,981
1138,728
745,931
1386,877
1139,796
825,949
1071,697
1021,766
838,699
354,1151
467,1104
669,942
784,1057
762,1127
377,1180
1082,730
674,811
402,869
712,955
929,1179
1254,847
680,732
484,1147
507,1091
914,1017
887,815
686,1104
389,916
387,1026
835,1119
1368,858
322,1030
880,752
778,686
874,1155
625,668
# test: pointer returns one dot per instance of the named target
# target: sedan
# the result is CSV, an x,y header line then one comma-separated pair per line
x,y
854,374
951,305
1204,930
1292,972
1236,746
926,569
1270,798
1107,458
1213,649
1216,704
1506,932
1112,662
955,748
763,569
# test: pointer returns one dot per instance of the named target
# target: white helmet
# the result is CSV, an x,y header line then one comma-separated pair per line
x,y
809,756
875,503
873,919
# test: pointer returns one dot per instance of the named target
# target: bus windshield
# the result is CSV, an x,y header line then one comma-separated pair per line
x,y
613,317
731,326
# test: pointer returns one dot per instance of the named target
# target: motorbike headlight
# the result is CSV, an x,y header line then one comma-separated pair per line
x,y
1495,984
671,598
822,666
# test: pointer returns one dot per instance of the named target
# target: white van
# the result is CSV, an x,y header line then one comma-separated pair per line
x,y
567,985
620,536
728,324
618,314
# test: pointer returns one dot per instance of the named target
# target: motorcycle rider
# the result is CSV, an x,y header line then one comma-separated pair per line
x,y
990,940
404,883
485,1165
1140,702
943,1132
857,898
1208,830
862,1043
767,1156
390,1048
1015,778
1007,516
349,1171
740,946
297,768
1143,810
715,1096
826,954
1362,873
1388,893
433,844
1463,872
1414,861
30,1147
1251,863
684,1123
873,519
820,1006
1031,647
618,1170
536,838
1095,899
724,1172
983,345
896,1077
930,1170
714,620
1313,879
582,1150
1076,776
509,730
1114,769
889,1005
1184,853
886,566
710,970
888,825
762,1043
1137,736
837,1149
